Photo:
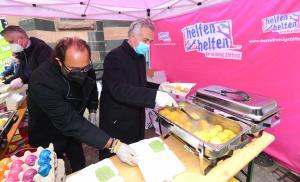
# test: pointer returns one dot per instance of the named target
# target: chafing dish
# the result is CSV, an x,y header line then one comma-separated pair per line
x,y
201,134
246,115
255,110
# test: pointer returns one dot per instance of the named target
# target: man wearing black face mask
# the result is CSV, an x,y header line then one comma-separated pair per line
x,y
76,75
58,94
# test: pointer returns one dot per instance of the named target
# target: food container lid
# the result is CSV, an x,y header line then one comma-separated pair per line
x,y
246,105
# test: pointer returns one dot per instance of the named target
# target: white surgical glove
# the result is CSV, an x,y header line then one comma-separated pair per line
x,y
16,83
126,154
92,118
164,99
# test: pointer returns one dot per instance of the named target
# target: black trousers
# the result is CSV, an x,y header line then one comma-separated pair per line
x,y
74,152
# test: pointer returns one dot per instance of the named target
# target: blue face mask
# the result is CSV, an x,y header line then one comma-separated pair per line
x,y
142,48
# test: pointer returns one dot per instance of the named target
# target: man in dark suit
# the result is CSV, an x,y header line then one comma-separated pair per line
x,y
59,92
126,92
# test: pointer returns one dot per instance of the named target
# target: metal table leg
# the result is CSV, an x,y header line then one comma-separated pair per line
x,y
250,171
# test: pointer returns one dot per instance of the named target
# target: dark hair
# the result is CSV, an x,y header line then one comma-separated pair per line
x,y
64,44
14,28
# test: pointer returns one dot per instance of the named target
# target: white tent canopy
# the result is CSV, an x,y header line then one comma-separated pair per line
x,y
103,9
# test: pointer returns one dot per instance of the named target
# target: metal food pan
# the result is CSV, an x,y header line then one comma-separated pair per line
x,y
214,150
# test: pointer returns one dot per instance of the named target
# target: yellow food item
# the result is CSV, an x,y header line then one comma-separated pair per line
x,y
212,132
215,140
230,134
203,135
164,112
175,116
178,87
182,118
218,128
203,124
186,125
222,136
171,116
2,122
207,132
194,115
178,120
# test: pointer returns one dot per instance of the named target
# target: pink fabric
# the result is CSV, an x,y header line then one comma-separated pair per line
x,y
270,69
101,9
126,4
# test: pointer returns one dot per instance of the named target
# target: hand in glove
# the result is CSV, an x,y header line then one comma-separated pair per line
x,y
92,118
164,99
16,83
124,152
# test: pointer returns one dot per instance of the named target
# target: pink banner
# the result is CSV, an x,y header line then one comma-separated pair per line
x,y
252,46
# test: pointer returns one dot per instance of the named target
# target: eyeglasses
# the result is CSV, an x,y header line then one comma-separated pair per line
x,y
84,69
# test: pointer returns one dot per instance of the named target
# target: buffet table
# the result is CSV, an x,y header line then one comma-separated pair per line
x,y
224,171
